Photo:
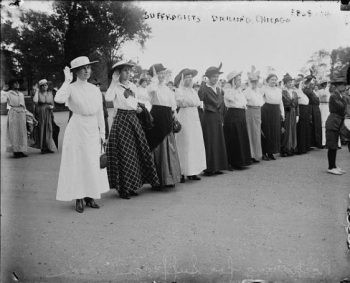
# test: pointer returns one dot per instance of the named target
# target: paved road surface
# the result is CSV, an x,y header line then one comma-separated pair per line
x,y
281,221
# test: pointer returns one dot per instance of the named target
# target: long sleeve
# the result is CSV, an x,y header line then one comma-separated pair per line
x,y
110,93
101,122
4,97
282,108
36,97
63,93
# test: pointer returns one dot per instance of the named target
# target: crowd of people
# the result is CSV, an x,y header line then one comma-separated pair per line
x,y
163,134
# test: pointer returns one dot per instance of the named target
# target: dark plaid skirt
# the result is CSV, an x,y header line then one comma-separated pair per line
x,y
130,162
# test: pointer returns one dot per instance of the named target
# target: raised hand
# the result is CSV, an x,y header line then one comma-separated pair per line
x,y
68,76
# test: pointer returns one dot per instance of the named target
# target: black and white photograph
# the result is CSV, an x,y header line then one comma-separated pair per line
x,y
175,141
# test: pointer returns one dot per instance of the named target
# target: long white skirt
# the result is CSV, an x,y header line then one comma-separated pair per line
x,y
324,108
190,143
80,174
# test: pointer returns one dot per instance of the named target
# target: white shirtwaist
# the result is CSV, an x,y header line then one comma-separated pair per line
x,y
80,174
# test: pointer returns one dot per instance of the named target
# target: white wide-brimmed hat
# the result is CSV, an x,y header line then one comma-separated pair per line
x,y
80,61
232,75
122,63
42,82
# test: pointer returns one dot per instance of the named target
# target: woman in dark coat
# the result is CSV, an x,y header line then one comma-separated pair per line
x,y
335,120
213,134
315,112
291,110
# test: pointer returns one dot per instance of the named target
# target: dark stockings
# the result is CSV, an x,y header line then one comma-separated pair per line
x,y
332,155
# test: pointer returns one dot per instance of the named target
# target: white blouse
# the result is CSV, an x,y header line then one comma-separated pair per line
x,y
84,99
115,93
161,94
273,95
187,97
302,98
234,98
254,97
143,97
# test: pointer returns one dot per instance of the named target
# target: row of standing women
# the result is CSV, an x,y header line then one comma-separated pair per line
x,y
142,147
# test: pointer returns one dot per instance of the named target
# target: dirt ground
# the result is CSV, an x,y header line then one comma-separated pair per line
x,y
281,221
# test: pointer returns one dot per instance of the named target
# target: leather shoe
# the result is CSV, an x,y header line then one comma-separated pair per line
x,y
79,205
90,202
133,194
194,178
265,157
124,195
183,179
271,156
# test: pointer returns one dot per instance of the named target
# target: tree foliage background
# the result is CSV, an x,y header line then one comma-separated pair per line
x,y
42,44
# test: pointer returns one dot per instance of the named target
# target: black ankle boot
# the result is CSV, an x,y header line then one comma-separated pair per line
x,y
90,202
79,205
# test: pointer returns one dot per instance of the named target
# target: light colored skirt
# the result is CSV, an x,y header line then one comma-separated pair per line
x,y
17,139
80,174
253,116
190,143
324,108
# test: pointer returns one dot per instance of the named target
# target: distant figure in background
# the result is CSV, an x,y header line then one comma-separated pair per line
x,y
324,95
80,177
170,85
291,110
303,125
314,108
235,124
272,113
104,105
212,122
255,101
17,139
44,104
335,120
190,139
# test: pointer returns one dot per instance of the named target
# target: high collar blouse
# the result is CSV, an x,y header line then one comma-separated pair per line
x,y
273,95
161,94
234,98
254,97
13,98
187,97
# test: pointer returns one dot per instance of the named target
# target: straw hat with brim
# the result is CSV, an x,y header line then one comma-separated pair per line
x,y
119,65
42,82
270,76
338,79
232,75
184,72
157,67
211,71
80,62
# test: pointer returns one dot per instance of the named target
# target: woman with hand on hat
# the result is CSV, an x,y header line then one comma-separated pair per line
x,y
190,139
335,120
314,108
291,110
161,137
235,124
17,140
303,125
80,176
44,105
255,101
130,161
272,112
212,122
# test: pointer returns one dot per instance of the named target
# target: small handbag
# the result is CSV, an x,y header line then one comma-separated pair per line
x,y
176,126
103,157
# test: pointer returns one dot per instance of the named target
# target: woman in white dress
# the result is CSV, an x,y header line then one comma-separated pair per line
x,y
80,175
189,140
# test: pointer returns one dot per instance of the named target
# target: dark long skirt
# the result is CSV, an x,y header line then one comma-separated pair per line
x,y
316,126
303,129
214,141
289,137
130,161
270,128
236,137
44,131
